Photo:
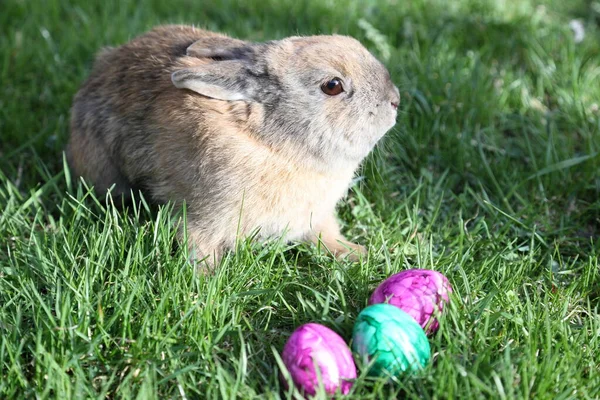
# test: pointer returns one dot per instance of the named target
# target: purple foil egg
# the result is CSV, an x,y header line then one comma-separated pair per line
x,y
417,292
316,345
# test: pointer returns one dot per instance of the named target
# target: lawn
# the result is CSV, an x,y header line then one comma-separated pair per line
x,y
491,176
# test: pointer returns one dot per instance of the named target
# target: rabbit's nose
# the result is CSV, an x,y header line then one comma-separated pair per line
x,y
395,97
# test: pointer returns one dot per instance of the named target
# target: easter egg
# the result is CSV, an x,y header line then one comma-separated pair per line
x,y
314,346
419,292
391,340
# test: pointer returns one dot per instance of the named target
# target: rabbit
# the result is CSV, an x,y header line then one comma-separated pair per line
x,y
257,139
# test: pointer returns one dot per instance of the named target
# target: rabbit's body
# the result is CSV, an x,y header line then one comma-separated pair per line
x,y
242,149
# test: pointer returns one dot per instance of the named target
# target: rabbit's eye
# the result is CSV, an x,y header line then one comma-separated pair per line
x,y
332,87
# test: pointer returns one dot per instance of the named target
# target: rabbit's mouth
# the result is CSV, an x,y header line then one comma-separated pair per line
x,y
385,115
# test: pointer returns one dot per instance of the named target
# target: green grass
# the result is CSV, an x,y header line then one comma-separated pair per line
x,y
491,176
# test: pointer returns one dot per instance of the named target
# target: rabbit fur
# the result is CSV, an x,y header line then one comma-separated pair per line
x,y
242,132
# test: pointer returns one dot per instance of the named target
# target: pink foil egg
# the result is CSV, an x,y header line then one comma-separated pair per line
x,y
313,345
418,292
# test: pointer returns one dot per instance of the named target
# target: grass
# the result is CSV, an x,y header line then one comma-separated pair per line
x,y
491,176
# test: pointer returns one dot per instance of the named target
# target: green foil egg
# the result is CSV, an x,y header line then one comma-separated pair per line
x,y
391,340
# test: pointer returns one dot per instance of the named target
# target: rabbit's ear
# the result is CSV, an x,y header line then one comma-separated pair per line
x,y
224,75
221,80
218,48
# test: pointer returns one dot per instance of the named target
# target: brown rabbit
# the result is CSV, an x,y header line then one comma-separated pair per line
x,y
252,136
